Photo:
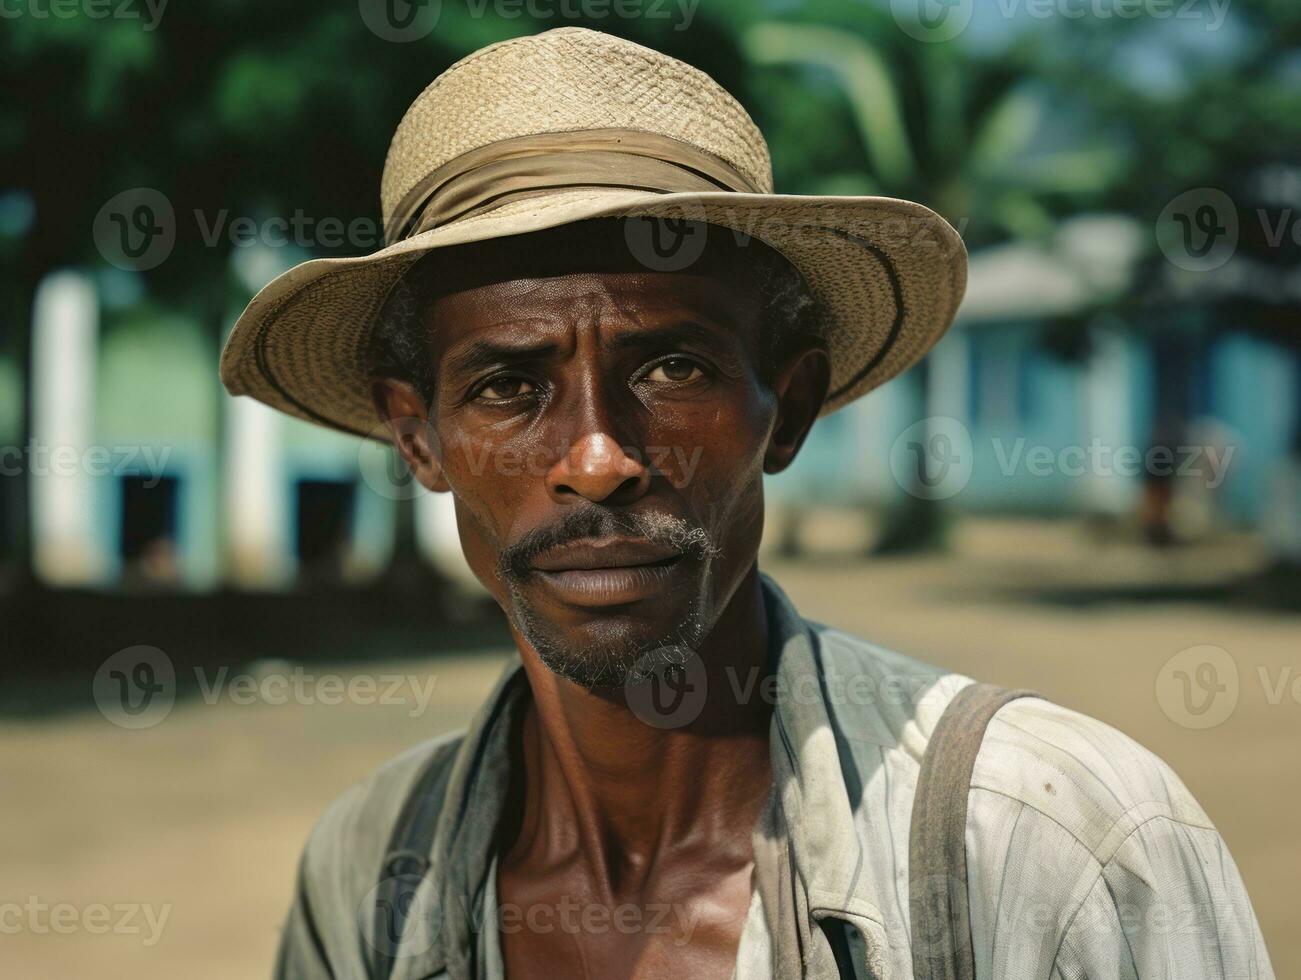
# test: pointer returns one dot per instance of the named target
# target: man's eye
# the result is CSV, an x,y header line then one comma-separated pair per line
x,y
500,389
675,370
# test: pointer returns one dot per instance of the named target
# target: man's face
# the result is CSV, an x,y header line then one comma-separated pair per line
x,y
604,436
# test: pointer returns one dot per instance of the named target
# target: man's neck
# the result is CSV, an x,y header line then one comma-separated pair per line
x,y
606,789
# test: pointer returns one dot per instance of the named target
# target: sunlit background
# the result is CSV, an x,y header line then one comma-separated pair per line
x,y
1092,487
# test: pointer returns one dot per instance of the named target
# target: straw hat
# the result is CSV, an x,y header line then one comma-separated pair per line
x,y
570,124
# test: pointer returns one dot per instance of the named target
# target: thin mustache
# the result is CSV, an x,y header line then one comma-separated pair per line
x,y
516,561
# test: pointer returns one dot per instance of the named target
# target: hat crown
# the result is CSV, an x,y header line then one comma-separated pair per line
x,y
564,80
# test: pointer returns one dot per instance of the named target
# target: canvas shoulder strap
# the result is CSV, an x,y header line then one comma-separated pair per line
x,y
405,863
937,853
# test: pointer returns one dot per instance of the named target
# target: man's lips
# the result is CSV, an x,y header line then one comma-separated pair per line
x,y
594,573
605,553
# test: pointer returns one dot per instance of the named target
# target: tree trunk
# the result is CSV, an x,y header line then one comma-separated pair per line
x,y
915,524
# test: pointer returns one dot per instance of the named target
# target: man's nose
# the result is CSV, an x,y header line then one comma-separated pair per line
x,y
598,469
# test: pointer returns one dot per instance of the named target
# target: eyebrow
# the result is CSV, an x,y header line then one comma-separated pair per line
x,y
676,332
477,355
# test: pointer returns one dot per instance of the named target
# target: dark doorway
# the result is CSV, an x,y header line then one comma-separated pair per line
x,y
324,528
149,519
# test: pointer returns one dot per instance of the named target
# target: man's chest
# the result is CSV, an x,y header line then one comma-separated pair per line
x,y
689,923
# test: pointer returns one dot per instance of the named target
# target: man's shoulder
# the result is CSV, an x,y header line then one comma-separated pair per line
x,y
1086,853
1095,782
349,841
342,864
1088,777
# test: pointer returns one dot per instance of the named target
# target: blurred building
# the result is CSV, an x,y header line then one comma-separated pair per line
x,y
1065,394
143,473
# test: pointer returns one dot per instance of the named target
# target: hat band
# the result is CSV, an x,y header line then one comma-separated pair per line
x,y
487,177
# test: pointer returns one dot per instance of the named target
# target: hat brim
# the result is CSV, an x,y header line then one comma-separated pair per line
x,y
889,275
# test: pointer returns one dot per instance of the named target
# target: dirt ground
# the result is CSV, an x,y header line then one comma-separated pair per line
x,y
196,822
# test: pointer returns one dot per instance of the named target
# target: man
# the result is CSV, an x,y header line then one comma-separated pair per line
x,y
597,328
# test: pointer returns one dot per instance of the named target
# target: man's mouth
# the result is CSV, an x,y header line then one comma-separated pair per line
x,y
590,554
606,571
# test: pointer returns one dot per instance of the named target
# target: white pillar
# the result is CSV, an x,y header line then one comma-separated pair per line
x,y
950,375
440,541
67,549
1107,413
256,497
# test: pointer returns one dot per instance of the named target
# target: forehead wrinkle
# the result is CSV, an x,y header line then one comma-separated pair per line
x,y
587,313
567,316
659,314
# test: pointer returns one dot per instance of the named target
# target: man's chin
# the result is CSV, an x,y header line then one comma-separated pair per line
x,y
613,661
611,649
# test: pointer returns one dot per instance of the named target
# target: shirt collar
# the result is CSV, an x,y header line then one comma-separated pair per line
x,y
814,771
809,782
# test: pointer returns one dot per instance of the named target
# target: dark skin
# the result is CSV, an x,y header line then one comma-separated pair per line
x,y
607,398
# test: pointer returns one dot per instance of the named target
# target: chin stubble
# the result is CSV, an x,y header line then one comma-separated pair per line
x,y
615,660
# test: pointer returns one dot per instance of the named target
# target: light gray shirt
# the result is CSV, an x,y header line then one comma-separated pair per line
x,y
1086,855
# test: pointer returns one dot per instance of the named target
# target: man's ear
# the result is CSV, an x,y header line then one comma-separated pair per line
x,y
801,388
402,408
